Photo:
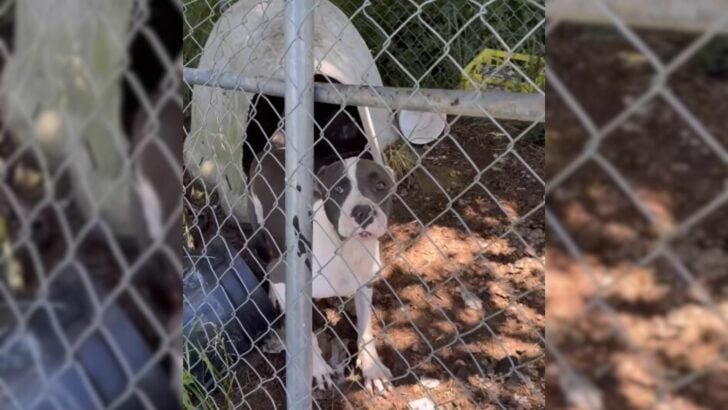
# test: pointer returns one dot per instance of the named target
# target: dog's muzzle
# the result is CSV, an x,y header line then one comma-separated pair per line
x,y
370,222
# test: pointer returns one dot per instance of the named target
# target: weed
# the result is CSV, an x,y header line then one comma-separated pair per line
x,y
401,158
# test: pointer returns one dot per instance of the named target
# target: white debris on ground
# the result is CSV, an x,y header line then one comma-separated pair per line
x,y
471,300
580,392
429,383
424,403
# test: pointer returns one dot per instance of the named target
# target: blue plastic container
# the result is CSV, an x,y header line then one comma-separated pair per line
x,y
40,372
226,312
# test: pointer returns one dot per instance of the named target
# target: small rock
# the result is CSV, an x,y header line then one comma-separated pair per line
x,y
429,383
274,343
471,300
580,392
421,404
521,402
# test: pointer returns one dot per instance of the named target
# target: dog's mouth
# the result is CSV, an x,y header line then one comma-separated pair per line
x,y
364,235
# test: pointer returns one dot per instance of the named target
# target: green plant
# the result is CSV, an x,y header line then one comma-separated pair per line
x,y
712,59
428,42
199,19
415,42
401,158
195,394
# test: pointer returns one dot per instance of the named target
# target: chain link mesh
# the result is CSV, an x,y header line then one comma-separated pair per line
x,y
459,309
636,209
89,302
90,165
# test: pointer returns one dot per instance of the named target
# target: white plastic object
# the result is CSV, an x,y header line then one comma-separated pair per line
x,y
420,127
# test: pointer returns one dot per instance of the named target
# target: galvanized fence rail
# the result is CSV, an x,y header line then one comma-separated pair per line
x,y
670,56
458,304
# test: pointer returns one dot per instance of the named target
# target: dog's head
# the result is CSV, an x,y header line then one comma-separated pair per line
x,y
357,196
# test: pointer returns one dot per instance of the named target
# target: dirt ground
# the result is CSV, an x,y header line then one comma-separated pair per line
x,y
489,354
650,331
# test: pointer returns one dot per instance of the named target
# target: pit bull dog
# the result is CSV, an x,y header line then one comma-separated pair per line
x,y
352,201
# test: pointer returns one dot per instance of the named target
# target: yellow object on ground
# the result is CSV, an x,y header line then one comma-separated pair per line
x,y
496,69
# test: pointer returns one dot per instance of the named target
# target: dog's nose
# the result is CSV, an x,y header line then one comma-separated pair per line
x,y
363,215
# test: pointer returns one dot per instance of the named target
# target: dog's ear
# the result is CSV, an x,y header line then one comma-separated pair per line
x,y
319,189
323,174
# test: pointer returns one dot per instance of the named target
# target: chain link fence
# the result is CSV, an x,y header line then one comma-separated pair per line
x,y
458,302
90,166
636,209
89,255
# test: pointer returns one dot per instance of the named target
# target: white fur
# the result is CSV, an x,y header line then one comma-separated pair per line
x,y
339,269
348,269
258,209
151,208
372,368
345,269
346,224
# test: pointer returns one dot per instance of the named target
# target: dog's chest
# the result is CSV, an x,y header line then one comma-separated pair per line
x,y
341,269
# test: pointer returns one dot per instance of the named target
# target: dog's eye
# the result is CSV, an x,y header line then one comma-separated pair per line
x,y
338,189
381,186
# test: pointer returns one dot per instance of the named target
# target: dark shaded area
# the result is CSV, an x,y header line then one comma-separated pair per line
x,y
338,130
163,27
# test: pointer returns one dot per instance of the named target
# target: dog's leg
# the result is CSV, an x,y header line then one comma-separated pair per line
x,y
376,375
275,343
321,370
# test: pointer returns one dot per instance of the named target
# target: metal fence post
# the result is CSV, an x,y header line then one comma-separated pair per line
x,y
298,69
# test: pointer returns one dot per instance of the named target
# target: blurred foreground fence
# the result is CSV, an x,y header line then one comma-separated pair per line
x,y
636,194
450,317
90,167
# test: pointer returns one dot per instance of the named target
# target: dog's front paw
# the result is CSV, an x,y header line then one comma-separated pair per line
x,y
376,374
321,372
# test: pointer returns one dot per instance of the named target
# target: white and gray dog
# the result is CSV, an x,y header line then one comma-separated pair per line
x,y
352,201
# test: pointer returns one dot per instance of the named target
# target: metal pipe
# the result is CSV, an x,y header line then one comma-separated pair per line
x,y
497,104
680,15
298,70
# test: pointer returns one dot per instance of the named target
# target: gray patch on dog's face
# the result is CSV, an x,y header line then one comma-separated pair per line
x,y
375,183
333,187
357,196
